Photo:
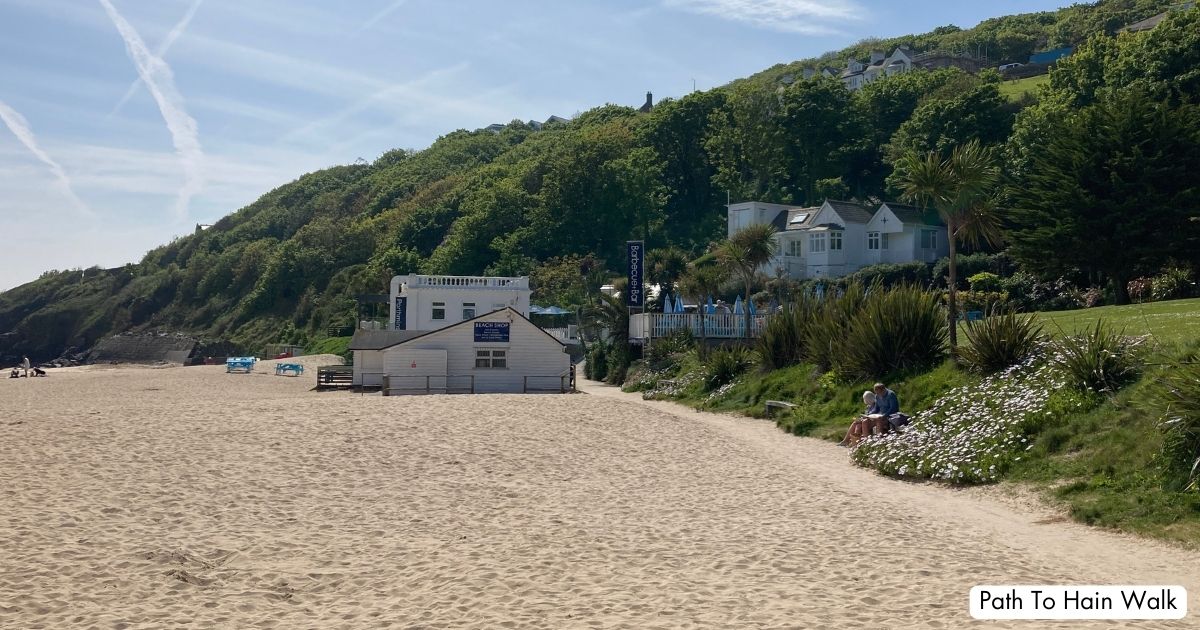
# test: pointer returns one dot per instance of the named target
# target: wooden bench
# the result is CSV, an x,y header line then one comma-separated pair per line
x,y
776,404
288,369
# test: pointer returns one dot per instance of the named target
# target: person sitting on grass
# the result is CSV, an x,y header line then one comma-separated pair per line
x,y
861,427
889,409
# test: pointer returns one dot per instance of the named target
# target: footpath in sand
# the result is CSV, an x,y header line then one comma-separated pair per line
x,y
148,498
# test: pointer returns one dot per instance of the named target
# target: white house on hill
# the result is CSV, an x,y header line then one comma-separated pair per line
x,y
839,237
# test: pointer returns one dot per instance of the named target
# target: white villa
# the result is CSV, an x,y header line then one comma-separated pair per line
x,y
857,73
839,237
459,333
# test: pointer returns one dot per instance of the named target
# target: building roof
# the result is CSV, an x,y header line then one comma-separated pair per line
x,y
799,218
380,339
915,215
425,333
850,212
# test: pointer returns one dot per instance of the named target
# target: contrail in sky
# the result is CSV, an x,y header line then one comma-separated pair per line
x,y
388,10
157,76
20,128
161,52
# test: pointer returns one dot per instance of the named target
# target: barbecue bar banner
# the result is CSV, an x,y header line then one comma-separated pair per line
x,y
635,295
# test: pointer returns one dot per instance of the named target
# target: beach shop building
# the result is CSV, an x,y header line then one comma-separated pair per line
x,y
460,334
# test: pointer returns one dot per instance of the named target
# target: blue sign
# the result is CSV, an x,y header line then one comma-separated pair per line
x,y
635,295
400,313
492,332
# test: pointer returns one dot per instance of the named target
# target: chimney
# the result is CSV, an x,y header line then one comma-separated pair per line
x,y
649,103
877,56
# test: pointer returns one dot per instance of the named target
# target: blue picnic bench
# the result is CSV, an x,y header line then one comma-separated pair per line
x,y
288,369
240,364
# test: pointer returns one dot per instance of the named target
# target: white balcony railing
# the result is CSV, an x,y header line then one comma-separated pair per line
x,y
469,282
714,326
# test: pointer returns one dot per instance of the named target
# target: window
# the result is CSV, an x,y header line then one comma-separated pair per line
x,y
816,243
794,248
928,239
491,359
873,240
439,310
799,218
835,241
883,241
468,310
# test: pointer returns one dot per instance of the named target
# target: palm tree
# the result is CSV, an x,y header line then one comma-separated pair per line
x,y
698,283
745,252
665,266
960,188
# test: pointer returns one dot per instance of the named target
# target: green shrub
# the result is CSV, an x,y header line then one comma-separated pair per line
x,y
999,341
897,329
1100,359
781,343
618,364
724,365
677,342
596,367
1173,283
985,281
977,300
969,265
824,345
1027,293
1175,394
889,275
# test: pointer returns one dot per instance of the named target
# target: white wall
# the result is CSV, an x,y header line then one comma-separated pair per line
x,y
531,352
368,367
419,309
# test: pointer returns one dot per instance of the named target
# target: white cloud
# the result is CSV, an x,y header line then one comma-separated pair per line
x,y
388,10
20,128
157,76
809,17
165,46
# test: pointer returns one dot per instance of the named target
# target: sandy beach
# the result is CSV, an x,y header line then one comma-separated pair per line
x,y
161,497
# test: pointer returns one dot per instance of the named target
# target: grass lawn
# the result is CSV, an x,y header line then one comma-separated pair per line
x,y
1013,90
1169,323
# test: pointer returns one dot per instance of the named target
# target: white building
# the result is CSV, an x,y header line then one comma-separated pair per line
x,y
423,303
857,74
839,237
500,351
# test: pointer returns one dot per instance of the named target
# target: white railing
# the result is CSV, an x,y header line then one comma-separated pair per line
x,y
565,335
715,326
469,282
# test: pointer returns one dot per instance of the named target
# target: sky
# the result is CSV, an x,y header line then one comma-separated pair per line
x,y
125,123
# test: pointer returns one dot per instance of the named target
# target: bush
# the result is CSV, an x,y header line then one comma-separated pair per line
x,y
781,343
889,275
985,281
677,342
1139,289
824,345
897,329
1172,284
977,300
1100,360
1001,340
724,365
970,265
1027,293
596,366
618,364
1176,394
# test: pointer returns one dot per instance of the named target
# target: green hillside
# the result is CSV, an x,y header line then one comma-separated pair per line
x,y
1022,88
554,202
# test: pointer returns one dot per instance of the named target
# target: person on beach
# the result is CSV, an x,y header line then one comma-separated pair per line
x,y
861,427
889,410
25,366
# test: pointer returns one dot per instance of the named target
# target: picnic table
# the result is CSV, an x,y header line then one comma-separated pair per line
x,y
288,369
240,364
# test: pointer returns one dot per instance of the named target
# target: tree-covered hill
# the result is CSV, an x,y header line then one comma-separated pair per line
x,y
557,201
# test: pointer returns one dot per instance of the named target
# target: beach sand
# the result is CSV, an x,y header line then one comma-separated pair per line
x,y
156,497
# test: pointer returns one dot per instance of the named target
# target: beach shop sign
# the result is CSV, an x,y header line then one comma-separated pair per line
x,y
492,332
